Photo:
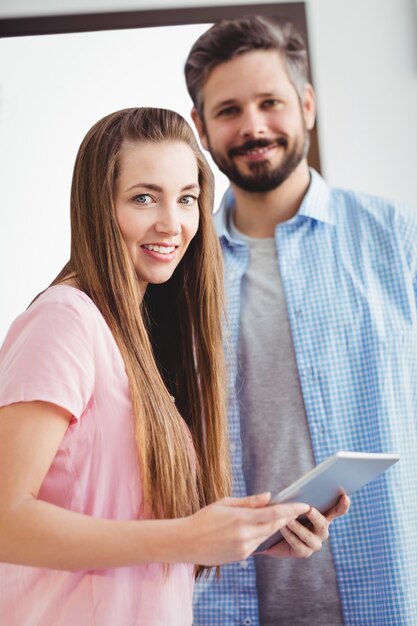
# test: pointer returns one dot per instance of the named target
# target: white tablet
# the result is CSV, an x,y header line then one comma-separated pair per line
x,y
344,472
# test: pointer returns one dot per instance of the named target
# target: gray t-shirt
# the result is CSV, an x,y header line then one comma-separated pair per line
x,y
276,441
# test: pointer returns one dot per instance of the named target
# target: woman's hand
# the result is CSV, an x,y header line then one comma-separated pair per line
x,y
302,540
232,528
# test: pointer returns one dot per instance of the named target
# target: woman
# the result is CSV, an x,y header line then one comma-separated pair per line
x,y
113,453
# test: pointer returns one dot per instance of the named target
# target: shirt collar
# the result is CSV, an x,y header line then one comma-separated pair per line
x,y
315,205
316,202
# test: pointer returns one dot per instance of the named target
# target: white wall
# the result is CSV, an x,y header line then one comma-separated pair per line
x,y
364,60
52,89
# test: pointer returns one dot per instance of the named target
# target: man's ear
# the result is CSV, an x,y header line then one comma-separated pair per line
x,y
309,106
200,126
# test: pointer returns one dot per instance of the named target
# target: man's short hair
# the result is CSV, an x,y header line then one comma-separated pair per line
x,y
230,38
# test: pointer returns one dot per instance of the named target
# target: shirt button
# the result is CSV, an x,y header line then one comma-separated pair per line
x,y
232,448
247,621
244,564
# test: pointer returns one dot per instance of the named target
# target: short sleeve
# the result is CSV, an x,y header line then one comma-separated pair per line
x,y
48,353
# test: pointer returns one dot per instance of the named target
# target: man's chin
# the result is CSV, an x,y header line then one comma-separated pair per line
x,y
256,185
254,177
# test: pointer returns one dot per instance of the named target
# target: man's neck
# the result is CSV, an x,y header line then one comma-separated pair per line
x,y
257,214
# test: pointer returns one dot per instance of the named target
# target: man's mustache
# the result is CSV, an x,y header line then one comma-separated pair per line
x,y
252,144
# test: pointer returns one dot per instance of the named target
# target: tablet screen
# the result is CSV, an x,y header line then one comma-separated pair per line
x,y
344,472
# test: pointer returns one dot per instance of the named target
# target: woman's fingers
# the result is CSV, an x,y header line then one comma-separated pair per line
x,y
302,542
306,536
273,514
318,524
341,508
255,501
232,528
303,538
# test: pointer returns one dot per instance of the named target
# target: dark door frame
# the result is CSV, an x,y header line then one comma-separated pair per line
x,y
119,20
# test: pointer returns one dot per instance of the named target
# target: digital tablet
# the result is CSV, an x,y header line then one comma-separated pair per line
x,y
344,472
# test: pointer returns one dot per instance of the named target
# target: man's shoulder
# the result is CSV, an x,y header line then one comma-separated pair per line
x,y
355,207
367,202
379,224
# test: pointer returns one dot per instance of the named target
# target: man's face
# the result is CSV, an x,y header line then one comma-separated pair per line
x,y
254,125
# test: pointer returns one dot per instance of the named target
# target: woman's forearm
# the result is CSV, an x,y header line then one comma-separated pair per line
x,y
44,535
40,534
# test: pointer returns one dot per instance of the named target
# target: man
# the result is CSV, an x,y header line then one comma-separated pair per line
x,y
321,288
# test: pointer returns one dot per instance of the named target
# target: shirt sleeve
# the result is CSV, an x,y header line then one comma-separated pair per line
x,y
48,355
407,227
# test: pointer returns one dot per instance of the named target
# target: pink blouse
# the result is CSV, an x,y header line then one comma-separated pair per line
x,y
61,350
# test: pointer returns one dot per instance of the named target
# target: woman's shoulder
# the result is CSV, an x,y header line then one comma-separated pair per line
x,y
62,298
64,293
49,351
59,310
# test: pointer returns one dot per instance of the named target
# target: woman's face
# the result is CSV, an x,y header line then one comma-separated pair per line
x,y
156,199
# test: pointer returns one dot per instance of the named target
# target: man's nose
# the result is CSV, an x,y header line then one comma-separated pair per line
x,y
253,123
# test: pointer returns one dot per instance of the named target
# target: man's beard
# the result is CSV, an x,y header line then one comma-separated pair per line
x,y
263,178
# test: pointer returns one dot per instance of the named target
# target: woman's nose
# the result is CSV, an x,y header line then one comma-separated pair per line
x,y
168,221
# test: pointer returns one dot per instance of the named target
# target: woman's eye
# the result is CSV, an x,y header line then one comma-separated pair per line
x,y
188,200
142,198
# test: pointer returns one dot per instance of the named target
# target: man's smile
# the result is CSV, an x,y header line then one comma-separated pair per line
x,y
257,150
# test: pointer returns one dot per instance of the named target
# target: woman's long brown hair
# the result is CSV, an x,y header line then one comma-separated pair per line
x,y
171,341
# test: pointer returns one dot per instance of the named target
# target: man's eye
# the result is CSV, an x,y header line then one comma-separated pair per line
x,y
142,198
271,102
227,111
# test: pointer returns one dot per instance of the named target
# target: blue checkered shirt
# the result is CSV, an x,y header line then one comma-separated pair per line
x,y
348,263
